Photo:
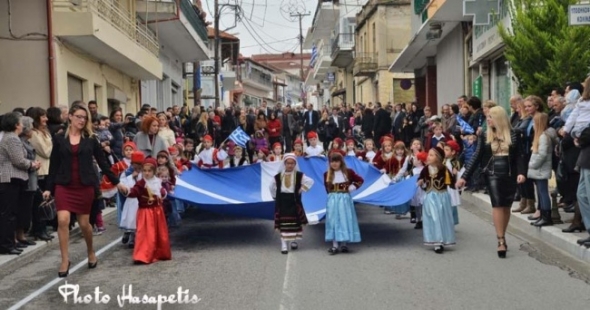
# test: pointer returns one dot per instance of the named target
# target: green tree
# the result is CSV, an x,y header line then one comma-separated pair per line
x,y
543,50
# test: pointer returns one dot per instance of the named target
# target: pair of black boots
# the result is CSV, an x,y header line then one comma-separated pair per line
x,y
543,220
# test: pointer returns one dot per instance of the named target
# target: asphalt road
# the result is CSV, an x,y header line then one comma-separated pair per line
x,y
234,263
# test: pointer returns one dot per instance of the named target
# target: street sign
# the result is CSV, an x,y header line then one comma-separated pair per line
x,y
579,14
477,85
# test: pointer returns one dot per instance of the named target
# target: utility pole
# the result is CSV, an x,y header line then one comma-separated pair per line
x,y
300,17
216,51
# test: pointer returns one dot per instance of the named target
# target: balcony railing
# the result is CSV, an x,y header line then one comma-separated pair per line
x,y
117,17
343,41
365,64
192,14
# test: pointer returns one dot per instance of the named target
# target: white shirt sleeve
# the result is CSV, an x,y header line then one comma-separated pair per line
x,y
273,188
306,183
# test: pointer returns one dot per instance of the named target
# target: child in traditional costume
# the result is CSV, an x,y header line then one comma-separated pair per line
x,y
389,161
437,213
152,241
189,150
277,150
129,211
452,163
416,203
239,158
406,170
336,147
210,157
368,154
286,189
350,148
298,147
180,163
314,148
341,222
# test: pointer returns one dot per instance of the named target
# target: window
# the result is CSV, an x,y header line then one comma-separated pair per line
x,y
75,89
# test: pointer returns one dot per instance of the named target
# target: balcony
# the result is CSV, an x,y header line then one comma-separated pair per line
x,y
108,33
179,27
326,16
257,81
342,47
323,62
365,64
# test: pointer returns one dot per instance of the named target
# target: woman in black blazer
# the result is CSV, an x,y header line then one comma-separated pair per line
x,y
72,180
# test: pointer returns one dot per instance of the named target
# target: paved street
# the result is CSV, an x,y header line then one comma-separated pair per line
x,y
236,264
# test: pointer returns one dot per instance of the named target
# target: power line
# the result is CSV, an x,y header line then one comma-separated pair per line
x,y
285,40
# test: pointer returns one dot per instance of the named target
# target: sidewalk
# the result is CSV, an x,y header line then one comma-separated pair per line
x,y
31,250
551,235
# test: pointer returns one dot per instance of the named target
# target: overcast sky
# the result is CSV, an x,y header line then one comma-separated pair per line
x,y
266,26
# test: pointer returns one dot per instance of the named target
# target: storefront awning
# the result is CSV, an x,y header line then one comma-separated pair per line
x,y
449,15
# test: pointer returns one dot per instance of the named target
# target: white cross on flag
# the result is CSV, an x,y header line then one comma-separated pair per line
x,y
239,137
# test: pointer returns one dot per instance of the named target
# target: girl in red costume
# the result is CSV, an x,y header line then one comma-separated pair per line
x,y
152,243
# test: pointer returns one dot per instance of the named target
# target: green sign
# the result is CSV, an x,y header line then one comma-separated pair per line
x,y
477,86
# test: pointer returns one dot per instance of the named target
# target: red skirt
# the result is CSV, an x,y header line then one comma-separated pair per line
x,y
77,199
152,243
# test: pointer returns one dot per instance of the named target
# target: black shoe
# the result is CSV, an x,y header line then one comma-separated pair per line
x,y
344,249
582,241
418,225
284,252
131,245
63,274
439,249
27,242
294,245
502,242
93,265
545,219
19,245
10,252
125,238
43,237
333,251
573,229
413,220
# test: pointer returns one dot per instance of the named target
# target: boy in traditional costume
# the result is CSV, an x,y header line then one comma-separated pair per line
x,y
239,159
314,148
286,189
128,220
152,242
452,148
210,157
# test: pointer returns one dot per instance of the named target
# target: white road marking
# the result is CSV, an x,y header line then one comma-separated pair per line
x,y
53,282
287,297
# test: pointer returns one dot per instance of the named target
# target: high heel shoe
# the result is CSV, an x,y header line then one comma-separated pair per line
x,y
92,265
63,274
502,242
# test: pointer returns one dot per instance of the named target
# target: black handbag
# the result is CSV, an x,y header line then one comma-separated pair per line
x,y
47,211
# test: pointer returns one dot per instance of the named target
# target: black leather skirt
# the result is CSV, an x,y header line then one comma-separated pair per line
x,y
501,182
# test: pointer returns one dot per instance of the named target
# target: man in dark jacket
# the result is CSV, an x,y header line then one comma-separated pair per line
x,y
382,123
398,121
368,123
311,119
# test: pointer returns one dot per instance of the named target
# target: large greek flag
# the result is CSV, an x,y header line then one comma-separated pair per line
x,y
239,137
245,191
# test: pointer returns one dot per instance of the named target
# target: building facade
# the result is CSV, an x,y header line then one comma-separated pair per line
x,y
83,50
456,50
182,36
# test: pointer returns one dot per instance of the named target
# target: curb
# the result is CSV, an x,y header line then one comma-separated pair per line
x,y
551,235
31,251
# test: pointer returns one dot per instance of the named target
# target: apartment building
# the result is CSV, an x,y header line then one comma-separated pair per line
x,y
183,38
353,44
453,52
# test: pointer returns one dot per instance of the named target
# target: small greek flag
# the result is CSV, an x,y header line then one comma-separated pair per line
x,y
314,56
466,128
239,137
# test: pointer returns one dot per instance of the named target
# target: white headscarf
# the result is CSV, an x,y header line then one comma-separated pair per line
x,y
288,156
